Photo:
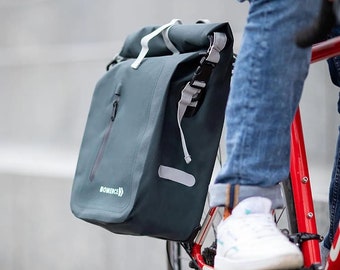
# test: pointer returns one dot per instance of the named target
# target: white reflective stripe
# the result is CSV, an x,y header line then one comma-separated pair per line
x,y
145,42
176,175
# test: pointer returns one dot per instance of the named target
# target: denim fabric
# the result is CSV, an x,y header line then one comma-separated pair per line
x,y
334,192
334,198
266,87
334,62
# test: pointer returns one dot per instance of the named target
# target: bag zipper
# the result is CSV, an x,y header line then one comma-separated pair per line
x,y
103,144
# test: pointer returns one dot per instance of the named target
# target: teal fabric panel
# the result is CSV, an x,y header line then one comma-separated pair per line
x,y
132,130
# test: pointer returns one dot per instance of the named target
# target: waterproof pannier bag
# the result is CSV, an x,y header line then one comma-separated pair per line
x,y
153,131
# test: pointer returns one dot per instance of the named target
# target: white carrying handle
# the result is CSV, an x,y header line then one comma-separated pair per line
x,y
164,29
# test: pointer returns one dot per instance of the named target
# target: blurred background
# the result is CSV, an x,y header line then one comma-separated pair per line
x,y
51,55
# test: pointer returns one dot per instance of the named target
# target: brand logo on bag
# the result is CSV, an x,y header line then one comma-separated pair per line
x,y
112,191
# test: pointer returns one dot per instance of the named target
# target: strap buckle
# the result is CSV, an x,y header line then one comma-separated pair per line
x,y
202,73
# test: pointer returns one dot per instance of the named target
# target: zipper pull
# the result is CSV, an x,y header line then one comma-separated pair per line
x,y
114,109
115,103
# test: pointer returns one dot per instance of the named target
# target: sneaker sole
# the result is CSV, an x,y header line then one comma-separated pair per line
x,y
284,262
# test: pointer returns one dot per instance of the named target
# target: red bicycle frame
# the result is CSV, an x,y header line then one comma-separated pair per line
x,y
301,187
326,49
300,180
303,200
333,261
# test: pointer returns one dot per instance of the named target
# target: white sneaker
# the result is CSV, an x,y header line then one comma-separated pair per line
x,y
250,240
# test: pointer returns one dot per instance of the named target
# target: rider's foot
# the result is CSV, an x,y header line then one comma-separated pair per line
x,y
250,240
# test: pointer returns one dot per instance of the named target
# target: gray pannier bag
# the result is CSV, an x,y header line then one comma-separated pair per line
x,y
153,131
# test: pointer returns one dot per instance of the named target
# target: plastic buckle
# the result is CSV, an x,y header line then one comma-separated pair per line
x,y
203,72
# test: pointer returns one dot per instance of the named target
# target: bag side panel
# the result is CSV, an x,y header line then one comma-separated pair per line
x,y
104,187
107,179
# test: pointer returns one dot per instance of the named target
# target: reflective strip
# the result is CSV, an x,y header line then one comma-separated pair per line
x,y
176,175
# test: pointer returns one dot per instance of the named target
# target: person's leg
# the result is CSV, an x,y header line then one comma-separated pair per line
x,y
266,87
334,205
334,191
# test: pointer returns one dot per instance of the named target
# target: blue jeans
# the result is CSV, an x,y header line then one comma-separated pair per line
x,y
334,192
334,198
266,88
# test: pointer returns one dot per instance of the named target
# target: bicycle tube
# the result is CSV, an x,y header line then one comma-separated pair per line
x,y
174,253
302,193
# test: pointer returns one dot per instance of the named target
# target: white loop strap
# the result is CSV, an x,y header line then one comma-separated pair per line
x,y
168,42
145,42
